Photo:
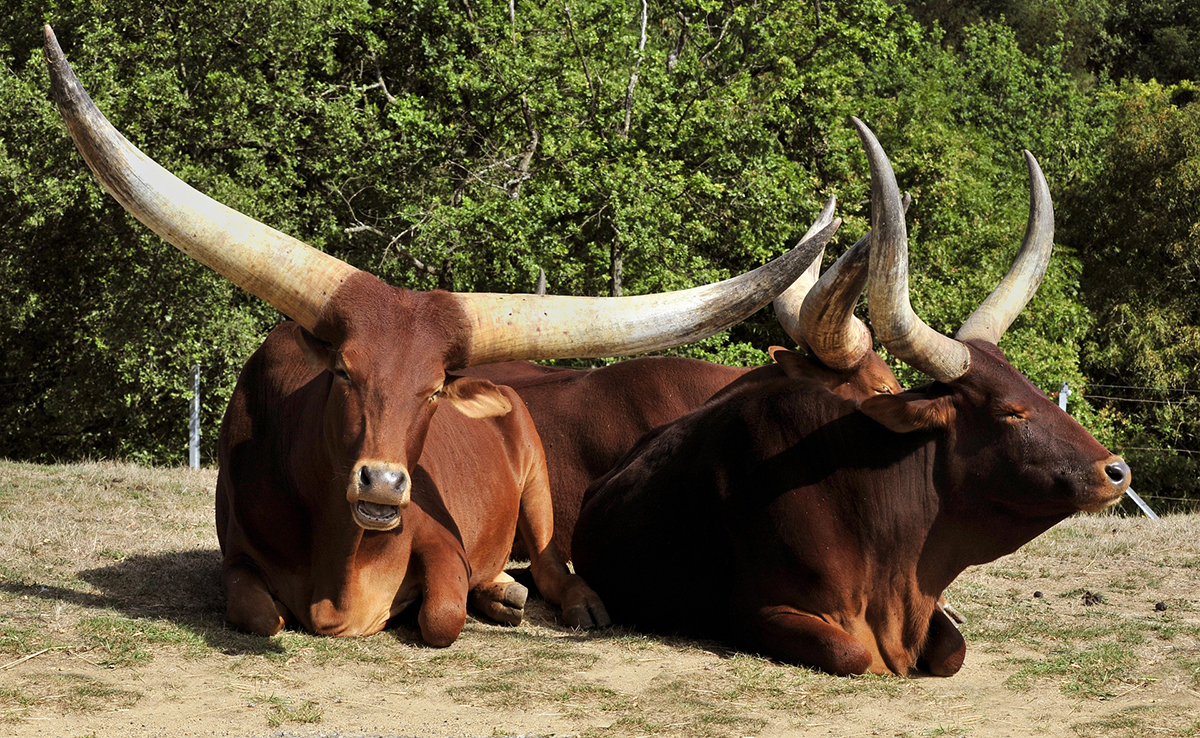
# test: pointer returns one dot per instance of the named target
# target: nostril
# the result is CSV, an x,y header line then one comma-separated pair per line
x,y
396,480
364,476
1117,472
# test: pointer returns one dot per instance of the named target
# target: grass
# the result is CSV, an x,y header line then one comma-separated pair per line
x,y
1087,671
114,569
281,710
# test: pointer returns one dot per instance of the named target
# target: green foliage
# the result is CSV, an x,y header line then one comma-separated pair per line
x,y
453,145
1155,39
1081,24
1124,39
1140,222
436,146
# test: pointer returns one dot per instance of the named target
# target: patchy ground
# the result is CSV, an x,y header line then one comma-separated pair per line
x,y
111,625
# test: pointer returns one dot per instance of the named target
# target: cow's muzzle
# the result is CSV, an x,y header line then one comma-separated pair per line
x,y
377,493
1116,477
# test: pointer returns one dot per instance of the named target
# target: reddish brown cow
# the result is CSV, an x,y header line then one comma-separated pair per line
x,y
342,497
821,531
588,419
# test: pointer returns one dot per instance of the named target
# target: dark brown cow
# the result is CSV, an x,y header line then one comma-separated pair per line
x,y
342,497
588,419
822,531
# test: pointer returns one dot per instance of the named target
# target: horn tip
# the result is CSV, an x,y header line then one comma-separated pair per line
x,y
866,135
51,41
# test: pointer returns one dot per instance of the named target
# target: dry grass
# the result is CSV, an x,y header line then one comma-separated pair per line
x,y
111,623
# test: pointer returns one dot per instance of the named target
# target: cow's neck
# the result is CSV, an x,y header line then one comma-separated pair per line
x,y
970,528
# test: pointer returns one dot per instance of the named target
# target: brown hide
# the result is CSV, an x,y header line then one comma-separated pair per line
x,y
789,521
588,419
298,547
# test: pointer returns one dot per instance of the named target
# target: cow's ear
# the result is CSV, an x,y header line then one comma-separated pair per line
x,y
793,363
318,353
907,412
475,397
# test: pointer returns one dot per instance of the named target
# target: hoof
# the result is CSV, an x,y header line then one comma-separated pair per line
x,y
582,608
503,602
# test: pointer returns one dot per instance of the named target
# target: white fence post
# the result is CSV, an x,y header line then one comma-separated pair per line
x,y
1137,500
194,424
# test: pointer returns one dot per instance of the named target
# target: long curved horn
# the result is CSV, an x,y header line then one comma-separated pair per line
x,y
788,303
836,337
294,277
1000,309
299,280
510,327
904,334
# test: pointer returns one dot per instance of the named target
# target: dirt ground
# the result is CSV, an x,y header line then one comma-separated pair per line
x,y
111,625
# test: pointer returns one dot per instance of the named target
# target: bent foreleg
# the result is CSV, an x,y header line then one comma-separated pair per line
x,y
581,607
790,635
249,604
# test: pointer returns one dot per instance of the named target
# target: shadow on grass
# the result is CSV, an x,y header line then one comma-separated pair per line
x,y
182,587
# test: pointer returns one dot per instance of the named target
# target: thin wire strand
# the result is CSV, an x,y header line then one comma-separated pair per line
x,y
1133,399
1156,448
1150,389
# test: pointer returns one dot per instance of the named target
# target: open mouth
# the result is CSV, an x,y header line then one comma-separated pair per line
x,y
375,516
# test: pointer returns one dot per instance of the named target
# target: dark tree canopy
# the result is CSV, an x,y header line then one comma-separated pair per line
x,y
453,145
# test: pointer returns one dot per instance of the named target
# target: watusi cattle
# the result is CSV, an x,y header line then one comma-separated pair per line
x,y
343,496
818,530
589,418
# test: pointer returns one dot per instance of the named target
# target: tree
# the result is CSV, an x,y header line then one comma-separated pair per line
x,y
459,145
1139,221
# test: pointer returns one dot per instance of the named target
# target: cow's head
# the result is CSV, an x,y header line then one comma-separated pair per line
x,y
389,351
1011,444
387,356
818,313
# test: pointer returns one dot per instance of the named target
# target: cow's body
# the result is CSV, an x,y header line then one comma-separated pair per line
x,y
820,530
785,503
588,418
286,534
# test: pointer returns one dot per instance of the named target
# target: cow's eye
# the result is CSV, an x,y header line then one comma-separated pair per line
x,y
342,374
884,390
1011,415
435,396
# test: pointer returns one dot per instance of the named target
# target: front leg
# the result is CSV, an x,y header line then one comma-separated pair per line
x,y
800,638
944,648
444,604
502,599
249,604
581,607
